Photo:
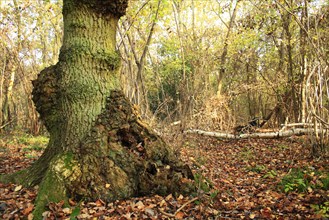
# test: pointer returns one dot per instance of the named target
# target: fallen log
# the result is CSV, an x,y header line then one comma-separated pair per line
x,y
276,134
297,124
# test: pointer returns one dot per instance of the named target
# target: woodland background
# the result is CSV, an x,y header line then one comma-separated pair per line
x,y
213,65
209,65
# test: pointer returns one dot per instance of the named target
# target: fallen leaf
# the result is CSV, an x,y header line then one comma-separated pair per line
x,y
99,203
67,211
149,211
185,180
72,202
92,211
30,216
45,214
140,205
163,203
179,215
17,188
28,210
84,216
169,197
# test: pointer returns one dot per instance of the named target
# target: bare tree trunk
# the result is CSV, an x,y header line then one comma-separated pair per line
x,y
303,59
225,48
140,64
127,72
139,94
183,90
2,79
291,77
8,105
6,108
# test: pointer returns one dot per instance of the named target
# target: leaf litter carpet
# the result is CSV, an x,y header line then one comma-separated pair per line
x,y
240,179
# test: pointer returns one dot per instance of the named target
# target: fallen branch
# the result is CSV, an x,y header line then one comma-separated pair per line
x,y
211,134
178,210
278,134
175,123
8,123
298,124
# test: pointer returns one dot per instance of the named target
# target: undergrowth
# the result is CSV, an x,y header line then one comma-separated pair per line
x,y
303,180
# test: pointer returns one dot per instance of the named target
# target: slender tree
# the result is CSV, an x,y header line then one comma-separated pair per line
x,y
225,48
7,114
98,146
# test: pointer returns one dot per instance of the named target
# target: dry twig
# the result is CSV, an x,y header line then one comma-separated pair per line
x,y
180,208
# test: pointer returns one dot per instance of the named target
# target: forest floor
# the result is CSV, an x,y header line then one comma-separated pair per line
x,y
241,179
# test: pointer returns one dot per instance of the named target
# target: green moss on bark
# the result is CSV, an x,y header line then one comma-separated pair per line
x,y
115,8
52,189
83,46
63,169
68,160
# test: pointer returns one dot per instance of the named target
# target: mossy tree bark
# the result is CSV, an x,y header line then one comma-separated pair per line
x,y
98,147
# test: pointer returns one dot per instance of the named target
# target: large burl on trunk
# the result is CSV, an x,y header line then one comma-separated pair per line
x,y
98,146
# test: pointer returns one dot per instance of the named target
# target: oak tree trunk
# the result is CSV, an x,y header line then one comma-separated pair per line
x,y
98,146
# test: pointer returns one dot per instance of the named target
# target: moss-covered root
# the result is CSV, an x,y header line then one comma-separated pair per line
x,y
53,187
18,178
33,175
